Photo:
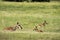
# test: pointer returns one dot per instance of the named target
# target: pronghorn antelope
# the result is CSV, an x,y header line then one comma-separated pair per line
x,y
13,28
40,25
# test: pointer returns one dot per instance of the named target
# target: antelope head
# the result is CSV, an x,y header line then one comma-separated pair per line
x,y
19,26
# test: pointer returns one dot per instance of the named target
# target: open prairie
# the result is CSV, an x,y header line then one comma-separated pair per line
x,y
29,15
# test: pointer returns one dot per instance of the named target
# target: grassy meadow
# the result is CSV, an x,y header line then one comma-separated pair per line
x,y
29,15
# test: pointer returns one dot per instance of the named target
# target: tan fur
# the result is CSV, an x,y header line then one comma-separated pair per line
x,y
41,25
13,28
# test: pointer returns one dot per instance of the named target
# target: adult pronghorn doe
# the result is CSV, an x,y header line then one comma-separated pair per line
x,y
41,25
13,28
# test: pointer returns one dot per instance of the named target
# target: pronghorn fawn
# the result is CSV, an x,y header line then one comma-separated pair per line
x,y
40,25
13,28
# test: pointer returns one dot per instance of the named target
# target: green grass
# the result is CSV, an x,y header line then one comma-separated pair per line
x,y
30,36
29,15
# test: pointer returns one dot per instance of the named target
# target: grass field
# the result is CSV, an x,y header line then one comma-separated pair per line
x,y
29,15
